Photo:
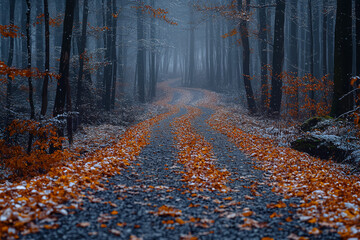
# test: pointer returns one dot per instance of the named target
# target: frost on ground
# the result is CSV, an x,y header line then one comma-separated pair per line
x,y
283,132
90,138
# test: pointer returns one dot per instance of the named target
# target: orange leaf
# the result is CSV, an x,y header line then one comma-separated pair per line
x,y
180,221
114,212
83,224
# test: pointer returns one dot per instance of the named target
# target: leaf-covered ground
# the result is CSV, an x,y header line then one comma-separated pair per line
x,y
188,173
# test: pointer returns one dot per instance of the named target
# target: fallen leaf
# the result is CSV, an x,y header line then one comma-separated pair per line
x,y
315,231
114,212
133,237
83,224
247,197
115,232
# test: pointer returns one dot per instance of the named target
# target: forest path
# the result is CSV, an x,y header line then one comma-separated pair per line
x,y
189,181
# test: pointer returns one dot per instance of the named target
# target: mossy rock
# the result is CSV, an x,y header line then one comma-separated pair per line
x,y
313,122
320,148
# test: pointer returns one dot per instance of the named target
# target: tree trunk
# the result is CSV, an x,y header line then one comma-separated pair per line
x,y
312,54
63,86
343,59
246,58
278,58
218,80
324,37
31,91
23,39
121,60
211,53
191,49
114,57
152,56
44,98
9,115
357,13
140,54
263,55
294,54
108,61
82,47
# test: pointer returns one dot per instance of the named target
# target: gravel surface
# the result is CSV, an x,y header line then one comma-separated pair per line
x,y
128,205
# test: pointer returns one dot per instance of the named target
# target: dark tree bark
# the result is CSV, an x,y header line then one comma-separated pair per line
x,y
23,30
63,86
357,14
152,90
207,51
211,53
324,37
246,57
218,80
108,67
263,54
229,73
312,53
39,39
140,54
31,90
121,59
113,56
191,67
278,58
343,59
44,101
294,51
9,63
82,47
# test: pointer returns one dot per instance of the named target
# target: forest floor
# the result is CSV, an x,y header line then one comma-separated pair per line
x,y
201,170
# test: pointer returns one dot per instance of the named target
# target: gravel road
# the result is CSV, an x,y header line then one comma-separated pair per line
x,y
150,200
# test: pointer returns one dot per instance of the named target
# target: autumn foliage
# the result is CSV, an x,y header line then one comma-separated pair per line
x,y
329,193
13,72
306,96
156,13
15,154
11,31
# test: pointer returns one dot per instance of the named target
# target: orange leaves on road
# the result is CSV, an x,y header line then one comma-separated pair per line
x,y
180,221
167,211
83,224
330,195
195,153
43,195
275,215
277,205
114,212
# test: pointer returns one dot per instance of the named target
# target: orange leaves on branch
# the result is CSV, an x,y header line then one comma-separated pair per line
x,y
26,73
56,21
53,22
299,95
38,160
231,33
11,31
156,13
39,19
